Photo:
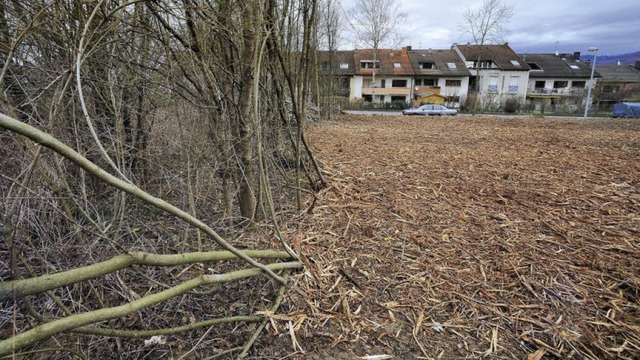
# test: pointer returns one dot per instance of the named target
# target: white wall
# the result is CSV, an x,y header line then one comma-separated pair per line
x,y
503,80
355,88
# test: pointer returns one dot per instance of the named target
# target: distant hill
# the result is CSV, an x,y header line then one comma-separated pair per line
x,y
626,59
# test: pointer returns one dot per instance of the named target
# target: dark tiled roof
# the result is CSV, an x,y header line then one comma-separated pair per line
x,y
501,55
441,59
335,60
387,58
618,73
557,66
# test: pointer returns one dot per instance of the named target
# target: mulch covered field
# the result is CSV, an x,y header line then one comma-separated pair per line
x,y
467,237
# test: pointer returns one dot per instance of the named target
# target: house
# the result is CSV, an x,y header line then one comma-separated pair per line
x,y
382,76
618,83
335,70
497,73
557,80
441,76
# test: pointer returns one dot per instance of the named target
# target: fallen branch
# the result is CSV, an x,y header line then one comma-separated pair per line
x,y
62,149
23,287
75,321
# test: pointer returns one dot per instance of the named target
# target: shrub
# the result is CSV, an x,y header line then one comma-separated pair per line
x,y
511,105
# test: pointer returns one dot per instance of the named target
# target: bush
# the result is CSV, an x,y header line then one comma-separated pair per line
x,y
511,106
394,105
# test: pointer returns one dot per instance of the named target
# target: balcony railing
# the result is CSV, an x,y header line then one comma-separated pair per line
x,y
385,91
559,91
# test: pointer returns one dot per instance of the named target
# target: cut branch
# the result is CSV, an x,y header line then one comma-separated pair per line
x,y
23,287
62,149
72,322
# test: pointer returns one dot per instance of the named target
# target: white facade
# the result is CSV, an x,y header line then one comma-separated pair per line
x,y
384,89
498,85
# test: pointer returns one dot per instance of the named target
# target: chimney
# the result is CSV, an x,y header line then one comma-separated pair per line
x,y
576,55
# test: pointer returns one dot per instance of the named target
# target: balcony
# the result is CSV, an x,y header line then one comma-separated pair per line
x,y
385,91
556,92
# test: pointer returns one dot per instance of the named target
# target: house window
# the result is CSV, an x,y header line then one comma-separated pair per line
x,y
325,65
344,66
513,84
427,82
367,98
540,84
560,84
369,64
399,83
427,65
578,84
396,65
451,65
483,64
453,83
398,98
493,84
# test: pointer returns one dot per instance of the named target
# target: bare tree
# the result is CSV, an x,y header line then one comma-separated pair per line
x,y
330,22
374,24
486,25
198,102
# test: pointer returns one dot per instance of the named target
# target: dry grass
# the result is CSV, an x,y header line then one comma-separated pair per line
x,y
468,238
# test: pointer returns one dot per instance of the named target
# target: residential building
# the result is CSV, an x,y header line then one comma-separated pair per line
x,y
557,80
382,76
336,68
618,83
497,72
441,76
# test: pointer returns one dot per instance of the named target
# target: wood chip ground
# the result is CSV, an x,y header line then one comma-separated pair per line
x,y
467,237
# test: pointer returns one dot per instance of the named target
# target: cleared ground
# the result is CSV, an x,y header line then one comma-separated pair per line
x,y
468,238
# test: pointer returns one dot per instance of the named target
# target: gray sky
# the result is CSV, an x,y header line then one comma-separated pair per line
x,y
613,27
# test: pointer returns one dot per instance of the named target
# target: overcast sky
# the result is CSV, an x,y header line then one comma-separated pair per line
x,y
611,26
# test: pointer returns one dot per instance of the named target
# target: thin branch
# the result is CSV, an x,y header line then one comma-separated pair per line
x,y
72,322
23,287
167,331
62,149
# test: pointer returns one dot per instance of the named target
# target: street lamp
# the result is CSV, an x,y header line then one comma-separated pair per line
x,y
593,69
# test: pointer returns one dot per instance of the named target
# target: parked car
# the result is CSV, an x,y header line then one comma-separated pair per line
x,y
430,110
626,110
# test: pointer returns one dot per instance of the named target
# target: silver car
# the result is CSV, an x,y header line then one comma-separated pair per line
x,y
430,110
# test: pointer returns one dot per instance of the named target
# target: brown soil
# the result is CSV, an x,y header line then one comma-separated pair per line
x,y
467,237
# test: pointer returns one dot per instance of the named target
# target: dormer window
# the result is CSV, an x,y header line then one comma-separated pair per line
x,y
534,66
427,65
369,64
